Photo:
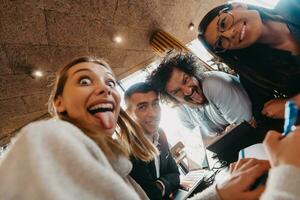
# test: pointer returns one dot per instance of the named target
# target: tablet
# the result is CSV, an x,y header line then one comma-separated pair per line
x,y
229,144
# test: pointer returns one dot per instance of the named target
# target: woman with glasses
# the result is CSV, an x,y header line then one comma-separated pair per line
x,y
262,46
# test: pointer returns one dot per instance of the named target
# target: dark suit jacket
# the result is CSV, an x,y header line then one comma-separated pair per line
x,y
144,173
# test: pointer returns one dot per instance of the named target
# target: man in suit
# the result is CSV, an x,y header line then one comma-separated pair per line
x,y
160,177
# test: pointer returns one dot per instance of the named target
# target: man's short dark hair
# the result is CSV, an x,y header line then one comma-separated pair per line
x,y
184,61
140,87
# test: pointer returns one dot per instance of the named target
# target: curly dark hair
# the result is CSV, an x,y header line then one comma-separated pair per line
x,y
184,61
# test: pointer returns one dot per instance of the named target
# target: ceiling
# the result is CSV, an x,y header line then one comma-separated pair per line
x,y
45,34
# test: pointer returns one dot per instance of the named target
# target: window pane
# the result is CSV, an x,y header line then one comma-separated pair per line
x,y
263,3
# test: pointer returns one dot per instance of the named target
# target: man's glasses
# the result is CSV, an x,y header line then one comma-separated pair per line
x,y
225,22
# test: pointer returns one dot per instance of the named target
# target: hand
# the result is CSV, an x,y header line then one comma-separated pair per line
x,y
245,164
159,186
229,128
245,173
274,108
283,150
253,123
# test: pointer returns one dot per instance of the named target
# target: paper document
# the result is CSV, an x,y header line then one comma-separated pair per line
x,y
255,151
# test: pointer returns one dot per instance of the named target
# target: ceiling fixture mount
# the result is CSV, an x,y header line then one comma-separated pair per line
x,y
191,26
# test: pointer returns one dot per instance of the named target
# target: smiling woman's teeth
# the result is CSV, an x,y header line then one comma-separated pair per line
x,y
242,35
103,107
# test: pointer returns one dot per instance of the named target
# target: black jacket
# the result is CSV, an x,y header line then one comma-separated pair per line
x,y
145,173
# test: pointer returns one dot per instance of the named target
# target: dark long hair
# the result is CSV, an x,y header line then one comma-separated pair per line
x,y
251,62
263,12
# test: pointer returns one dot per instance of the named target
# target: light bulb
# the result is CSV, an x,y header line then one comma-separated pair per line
x,y
118,39
38,73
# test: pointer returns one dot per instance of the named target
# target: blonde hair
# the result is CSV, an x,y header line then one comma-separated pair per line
x,y
131,140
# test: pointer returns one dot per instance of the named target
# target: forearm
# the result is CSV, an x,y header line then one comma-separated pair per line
x,y
283,183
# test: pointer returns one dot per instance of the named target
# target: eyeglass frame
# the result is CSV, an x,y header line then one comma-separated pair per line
x,y
223,11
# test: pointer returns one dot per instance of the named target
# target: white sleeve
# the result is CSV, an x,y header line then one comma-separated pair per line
x,y
208,194
228,95
52,160
283,183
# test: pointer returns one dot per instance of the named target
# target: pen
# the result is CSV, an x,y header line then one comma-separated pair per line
x,y
290,115
243,153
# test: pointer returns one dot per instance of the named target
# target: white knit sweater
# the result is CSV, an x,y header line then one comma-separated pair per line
x,y
283,184
53,159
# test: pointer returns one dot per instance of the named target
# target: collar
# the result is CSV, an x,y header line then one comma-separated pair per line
x,y
153,138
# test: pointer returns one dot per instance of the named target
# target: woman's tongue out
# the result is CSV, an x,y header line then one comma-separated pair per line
x,y
106,119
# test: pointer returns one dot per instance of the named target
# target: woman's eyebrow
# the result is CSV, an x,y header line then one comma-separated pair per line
x,y
80,70
88,70
111,74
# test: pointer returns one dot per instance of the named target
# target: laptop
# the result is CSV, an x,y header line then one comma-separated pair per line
x,y
189,183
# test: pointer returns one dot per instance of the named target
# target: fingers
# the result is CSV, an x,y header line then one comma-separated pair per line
x,y
254,194
255,172
253,123
269,102
271,141
274,108
245,164
231,167
230,127
252,162
239,163
266,109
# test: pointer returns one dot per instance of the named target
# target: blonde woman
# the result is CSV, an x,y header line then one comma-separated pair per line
x,y
73,155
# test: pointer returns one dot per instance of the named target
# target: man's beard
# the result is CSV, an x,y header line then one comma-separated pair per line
x,y
198,90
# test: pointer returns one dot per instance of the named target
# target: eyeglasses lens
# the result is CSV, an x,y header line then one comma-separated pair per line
x,y
225,22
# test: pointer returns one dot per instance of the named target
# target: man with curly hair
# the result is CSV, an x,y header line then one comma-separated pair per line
x,y
212,100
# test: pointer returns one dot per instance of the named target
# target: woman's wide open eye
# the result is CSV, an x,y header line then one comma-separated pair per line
x,y
85,81
111,83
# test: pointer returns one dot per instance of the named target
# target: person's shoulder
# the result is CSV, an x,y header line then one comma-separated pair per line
x,y
162,135
218,75
50,127
55,135
217,80
52,131
48,123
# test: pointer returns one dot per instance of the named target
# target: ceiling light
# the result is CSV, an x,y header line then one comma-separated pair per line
x,y
191,26
37,73
118,39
